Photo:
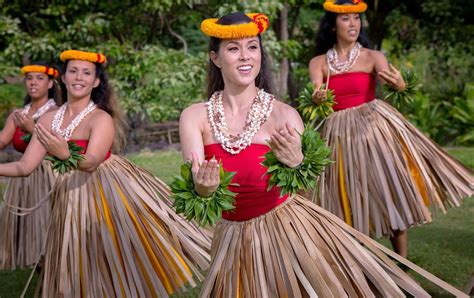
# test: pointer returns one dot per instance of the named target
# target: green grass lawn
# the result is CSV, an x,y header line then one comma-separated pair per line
x,y
444,247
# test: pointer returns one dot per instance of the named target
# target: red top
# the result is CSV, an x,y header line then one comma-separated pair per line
x,y
20,145
84,144
252,198
17,142
351,89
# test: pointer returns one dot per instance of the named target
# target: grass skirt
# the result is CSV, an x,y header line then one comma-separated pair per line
x,y
114,234
387,175
298,250
22,238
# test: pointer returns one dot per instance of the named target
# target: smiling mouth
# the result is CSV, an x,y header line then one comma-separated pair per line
x,y
245,67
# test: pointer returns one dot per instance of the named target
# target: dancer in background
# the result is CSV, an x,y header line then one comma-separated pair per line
x,y
112,230
23,234
387,174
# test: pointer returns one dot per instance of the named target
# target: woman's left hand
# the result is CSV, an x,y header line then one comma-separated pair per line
x,y
24,121
53,143
393,77
286,145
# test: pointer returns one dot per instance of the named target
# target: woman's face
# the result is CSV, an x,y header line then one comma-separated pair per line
x,y
37,85
80,78
348,27
239,60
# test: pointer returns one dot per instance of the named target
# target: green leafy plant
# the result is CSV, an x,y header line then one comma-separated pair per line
x,y
204,210
405,96
303,177
63,166
312,111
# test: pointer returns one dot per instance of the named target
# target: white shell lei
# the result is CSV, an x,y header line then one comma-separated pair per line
x,y
43,109
338,67
59,117
259,112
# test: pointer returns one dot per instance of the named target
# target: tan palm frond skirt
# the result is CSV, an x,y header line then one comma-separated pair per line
x,y
300,250
22,238
386,174
114,234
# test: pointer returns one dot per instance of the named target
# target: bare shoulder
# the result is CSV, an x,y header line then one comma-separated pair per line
x,y
283,112
196,112
318,61
100,117
376,55
47,117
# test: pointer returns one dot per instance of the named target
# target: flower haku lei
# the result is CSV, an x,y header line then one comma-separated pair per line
x,y
50,71
258,25
358,7
204,210
84,56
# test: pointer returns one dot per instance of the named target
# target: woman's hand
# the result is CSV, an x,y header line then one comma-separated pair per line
x,y
53,143
24,121
393,77
286,145
319,95
205,175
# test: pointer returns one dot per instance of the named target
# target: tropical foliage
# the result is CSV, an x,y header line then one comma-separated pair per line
x,y
157,55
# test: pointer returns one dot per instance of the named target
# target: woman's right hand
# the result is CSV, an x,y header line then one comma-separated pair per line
x,y
319,95
205,175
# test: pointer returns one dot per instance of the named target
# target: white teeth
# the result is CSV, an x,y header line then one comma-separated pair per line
x,y
245,67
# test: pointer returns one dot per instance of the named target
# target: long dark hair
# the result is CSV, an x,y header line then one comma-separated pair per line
x,y
326,35
215,82
105,99
53,92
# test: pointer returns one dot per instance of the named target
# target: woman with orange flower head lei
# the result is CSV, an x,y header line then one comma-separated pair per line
x,y
23,233
386,172
112,231
270,245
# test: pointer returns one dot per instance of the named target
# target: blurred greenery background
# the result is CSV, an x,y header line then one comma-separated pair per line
x,y
157,54
157,60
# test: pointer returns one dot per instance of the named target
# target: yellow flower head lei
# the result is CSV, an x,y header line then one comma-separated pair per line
x,y
358,6
50,71
84,56
258,25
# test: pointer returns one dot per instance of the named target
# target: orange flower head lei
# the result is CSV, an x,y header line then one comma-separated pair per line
x,y
50,71
358,6
84,56
259,24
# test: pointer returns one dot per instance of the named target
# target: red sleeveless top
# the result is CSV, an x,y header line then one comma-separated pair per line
x,y
252,198
19,144
351,89
84,144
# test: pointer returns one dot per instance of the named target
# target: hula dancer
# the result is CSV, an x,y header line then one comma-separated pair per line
x,y
112,230
270,244
23,233
386,173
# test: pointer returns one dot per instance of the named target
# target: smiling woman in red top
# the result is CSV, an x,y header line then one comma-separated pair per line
x,y
386,172
113,231
269,245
